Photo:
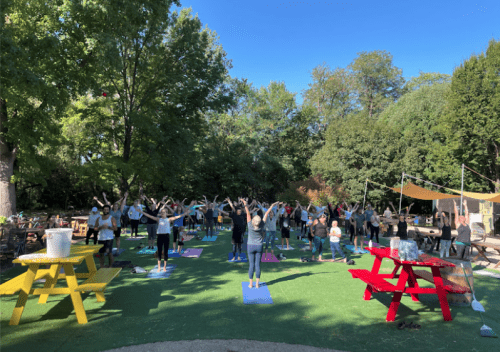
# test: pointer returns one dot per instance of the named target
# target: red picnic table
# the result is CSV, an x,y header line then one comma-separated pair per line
x,y
407,280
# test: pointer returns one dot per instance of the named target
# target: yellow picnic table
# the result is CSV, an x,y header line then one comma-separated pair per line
x,y
96,279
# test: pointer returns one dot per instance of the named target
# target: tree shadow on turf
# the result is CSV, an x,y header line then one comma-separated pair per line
x,y
291,277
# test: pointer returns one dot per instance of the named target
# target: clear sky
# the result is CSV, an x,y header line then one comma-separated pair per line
x,y
283,41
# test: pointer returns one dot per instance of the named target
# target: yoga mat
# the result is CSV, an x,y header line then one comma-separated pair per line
x,y
254,295
208,239
487,273
155,274
269,259
136,238
284,247
351,248
374,244
305,240
148,251
192,252
121,251
304,246
121,263
172,254
243,257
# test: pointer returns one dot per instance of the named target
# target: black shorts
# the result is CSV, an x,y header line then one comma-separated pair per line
x,y
118,232
285,232
107,246
176,233
359,232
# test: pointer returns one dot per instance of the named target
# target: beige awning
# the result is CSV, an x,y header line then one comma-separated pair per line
x,y
414,191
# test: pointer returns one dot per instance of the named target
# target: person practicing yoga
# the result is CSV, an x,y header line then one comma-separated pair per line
x,y
208,212
368,220
256,229
320,233
92,230
106,225
309,226
335,234
444,251
239,227
134,217
464,232
375,226
358,223
117,212
163,233
151,225
270,231
285,225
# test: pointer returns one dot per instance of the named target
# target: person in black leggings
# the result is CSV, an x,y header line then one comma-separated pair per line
x,y
163,233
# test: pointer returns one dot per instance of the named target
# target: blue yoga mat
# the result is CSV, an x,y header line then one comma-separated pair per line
x,y
208,239
155,274
243,257
254,295
351,248
120,252
148,251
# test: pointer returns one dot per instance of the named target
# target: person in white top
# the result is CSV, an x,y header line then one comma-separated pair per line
x,y
335,234
92,230
375,229
134,217
163,233
106,225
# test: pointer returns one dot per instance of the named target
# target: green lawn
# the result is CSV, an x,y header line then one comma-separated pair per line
x,y
316,304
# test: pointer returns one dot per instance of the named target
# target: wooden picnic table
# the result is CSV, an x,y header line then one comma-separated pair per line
x,y
407,280
481,250
96,279
80,218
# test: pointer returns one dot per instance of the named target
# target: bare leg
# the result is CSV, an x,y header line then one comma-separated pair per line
x,y
287,243
250,284
175,246
164,265
257,283
101,260
111,259
159,265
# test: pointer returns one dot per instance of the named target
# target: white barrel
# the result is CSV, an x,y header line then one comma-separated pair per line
x,y
58,242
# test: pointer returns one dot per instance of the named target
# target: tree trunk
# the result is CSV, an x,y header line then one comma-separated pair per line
x,y
7,158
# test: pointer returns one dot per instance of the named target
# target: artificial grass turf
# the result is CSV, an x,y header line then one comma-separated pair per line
x,y
316,304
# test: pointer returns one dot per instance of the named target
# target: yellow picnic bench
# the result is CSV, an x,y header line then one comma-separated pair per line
x,y
97,280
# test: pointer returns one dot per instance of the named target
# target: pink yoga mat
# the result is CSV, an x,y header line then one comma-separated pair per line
x,y
269,259
192,252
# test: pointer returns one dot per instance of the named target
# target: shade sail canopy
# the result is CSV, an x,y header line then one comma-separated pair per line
x,y
490,197
414,191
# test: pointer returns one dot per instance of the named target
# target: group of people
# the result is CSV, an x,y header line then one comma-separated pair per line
x,y
262,220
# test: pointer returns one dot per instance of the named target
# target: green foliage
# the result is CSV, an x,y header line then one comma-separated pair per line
x,y
470,125
3,220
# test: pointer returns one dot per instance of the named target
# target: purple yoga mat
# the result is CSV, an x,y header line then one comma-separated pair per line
x,y
269,259
192,252
374,244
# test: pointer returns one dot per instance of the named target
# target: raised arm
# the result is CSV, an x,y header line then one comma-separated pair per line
x,y
249,217
268,211
124,201
173,218
106,201
98,201
409,208
466,211
457,223
230,204
146,214
392,206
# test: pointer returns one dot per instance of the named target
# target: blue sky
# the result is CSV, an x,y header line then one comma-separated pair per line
x,y
283,41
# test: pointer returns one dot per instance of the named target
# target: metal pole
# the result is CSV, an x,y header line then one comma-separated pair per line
x,y
401,195
462,190
364,198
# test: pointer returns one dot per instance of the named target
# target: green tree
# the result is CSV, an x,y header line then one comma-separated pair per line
x,y
161,72
378,82
44,62
473,116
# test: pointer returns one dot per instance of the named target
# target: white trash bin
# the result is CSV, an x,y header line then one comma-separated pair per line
x,y
58,242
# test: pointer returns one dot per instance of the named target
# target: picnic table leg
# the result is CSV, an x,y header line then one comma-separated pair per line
x,y
412,282
76,297
396,268
396,299
368,293
481,252
441,292
453,245
50,281
89,260
376,264
23,294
